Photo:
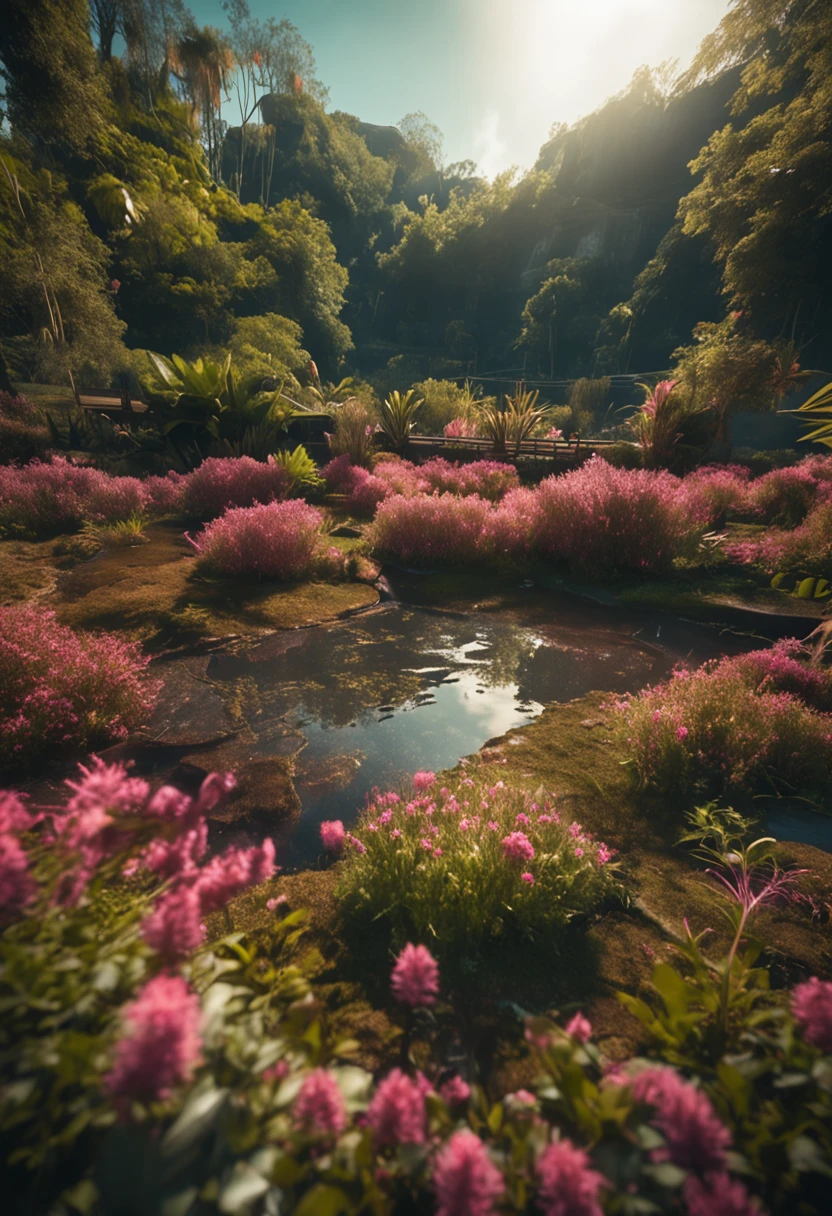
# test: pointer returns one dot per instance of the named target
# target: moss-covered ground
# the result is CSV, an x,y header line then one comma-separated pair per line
x,y
154,593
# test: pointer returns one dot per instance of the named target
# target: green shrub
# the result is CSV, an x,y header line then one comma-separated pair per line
x,y
470,864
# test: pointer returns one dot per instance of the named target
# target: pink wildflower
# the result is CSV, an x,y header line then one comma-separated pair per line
x,y
528,877
522,818
415,979
174,928
16,885
812,1010
518,847
579,1028
228,875
357,844
579,851
575,830
521,1103
332,835
681,733
397,1111
277,902
568,1184
696,1139
604,854
719,1195
455,1091
319,1106
466,1180
423,781
161,1044
395,834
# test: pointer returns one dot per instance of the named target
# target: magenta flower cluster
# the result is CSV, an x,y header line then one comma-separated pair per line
x,y
161,1042
736,722
60,690
489,479
278,540
415,978
597,517
110,816
454,860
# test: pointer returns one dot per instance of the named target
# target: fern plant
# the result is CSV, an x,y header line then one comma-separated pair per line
x,y
299,467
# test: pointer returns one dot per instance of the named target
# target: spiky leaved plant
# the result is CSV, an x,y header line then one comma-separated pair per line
x,y
398,414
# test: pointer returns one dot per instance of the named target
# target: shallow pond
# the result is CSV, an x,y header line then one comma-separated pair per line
x,y
368,702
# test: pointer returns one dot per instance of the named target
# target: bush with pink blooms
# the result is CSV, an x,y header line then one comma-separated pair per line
x,y
62,691
222,482
229,1088
786,496
601,519
489,479
759,721
806,549
598,518
472,862
46,497
277,540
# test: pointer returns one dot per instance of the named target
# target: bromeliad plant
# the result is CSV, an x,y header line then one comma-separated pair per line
x,y
397,417
467,865
512,424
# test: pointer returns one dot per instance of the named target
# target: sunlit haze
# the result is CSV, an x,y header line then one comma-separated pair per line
x,y
492,74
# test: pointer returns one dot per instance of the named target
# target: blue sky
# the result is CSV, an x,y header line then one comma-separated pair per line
x,y
492,74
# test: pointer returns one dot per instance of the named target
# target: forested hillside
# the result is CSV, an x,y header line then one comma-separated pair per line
x,y
138,212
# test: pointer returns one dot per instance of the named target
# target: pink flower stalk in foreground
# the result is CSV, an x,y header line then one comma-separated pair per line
x,y
415,978
812,1009
455,1091
720,1195
466,1181
174,927
518,847
696,1139
568,1184
423,781
332,835
16,885
319,1106
579,1028
528,877
397,1112
161,1044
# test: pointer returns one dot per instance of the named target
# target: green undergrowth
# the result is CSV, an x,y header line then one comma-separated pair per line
x,y
570,749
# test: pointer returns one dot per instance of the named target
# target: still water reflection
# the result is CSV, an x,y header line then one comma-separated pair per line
x,y
407,688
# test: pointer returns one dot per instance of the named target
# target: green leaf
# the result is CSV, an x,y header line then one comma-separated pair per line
x,y
807,1157
243,1187
672,988
197,1117
83,1196
323,1200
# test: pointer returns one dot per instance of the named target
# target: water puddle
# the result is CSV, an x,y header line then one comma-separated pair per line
x,y
407,688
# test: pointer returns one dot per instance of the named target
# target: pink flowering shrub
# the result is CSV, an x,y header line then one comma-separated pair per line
x,y
60,690
234,481
489,479
431,529
710,492
734,723
806,548
785,496
602,519
460,428
453,865
191,1048
42,498
280,540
